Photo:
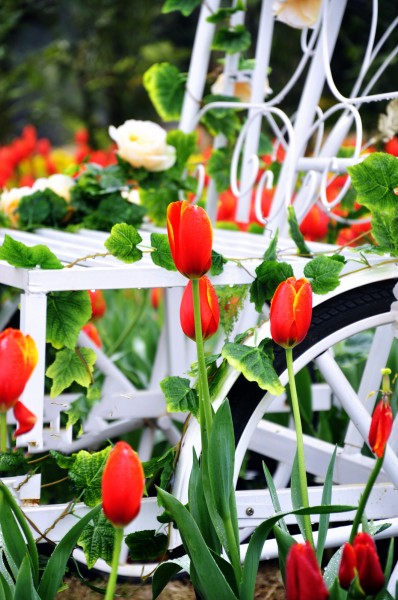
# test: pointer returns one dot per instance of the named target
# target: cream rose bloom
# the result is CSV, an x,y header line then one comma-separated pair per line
x,y
143,144
10,199
297,13
58,183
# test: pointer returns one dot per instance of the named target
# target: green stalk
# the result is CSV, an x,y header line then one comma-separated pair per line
x,y
204,386
234,553
110,588
364,498
300,445
3,432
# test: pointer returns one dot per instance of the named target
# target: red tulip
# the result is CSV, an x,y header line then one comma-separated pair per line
x,y
361,558
291,312
303,576
18,358
380,427
123,483
190,237
92,332
26,419
209,309
98,303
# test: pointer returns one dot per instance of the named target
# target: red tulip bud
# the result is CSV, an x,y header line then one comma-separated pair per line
x,y
380,427
123,483
190,237
92,332
291,312
26,419
209,309
361,558
98,303
18,358
303,576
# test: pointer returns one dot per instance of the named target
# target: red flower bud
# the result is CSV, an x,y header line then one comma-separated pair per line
x,y
303,576
209,309
26,419
92,332
190,237
18,358
122,485
361,558
291,312
98,303
380,427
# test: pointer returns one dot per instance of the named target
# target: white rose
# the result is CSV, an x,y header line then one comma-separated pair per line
x,y
297,13
394,310
143,144
10,199
58,183
241,89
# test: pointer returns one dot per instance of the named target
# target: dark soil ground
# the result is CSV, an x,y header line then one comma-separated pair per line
x,y
268,587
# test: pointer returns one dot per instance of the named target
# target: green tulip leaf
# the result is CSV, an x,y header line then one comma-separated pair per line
x,y
221,465
326,499
161,254
97,540
24,587
7,588
166,87
255,365
268,276
232,39
179,396
295,233
71,366
147,545
122,243
166,571
28,257
67,313
184,6
323,273
86,473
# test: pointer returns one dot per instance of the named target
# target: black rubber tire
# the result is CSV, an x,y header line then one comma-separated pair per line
x,y
330,316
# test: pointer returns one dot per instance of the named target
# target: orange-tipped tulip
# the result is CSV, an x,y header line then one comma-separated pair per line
x,y
123,483
18,358
361,558
26,419
303,576
190,237
209,309
98,303
380,427
291,312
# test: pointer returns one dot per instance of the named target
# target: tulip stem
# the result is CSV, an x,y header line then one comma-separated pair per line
x,y
364,497
204,386
300,445
110,588
3,432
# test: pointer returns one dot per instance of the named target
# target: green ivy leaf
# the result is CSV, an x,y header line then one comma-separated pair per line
x,y
161,254
221,120
156,200
146,545
63,461
225,13
185,145
374,181
97,540
323,273
9,461
295,233
218,167
81,408
122,243
217,263
179,396
42,208
86,473
67,312
166,87
163,464
271,251
28,257
232,39
70,366
255,365
268,276
184,6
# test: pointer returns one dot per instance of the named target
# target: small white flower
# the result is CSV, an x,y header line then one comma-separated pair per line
x,y
132,196
10,199
58,183
388,123
143,144
297,13
394,310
